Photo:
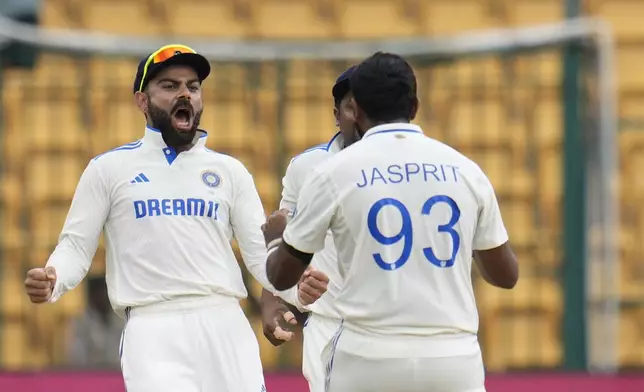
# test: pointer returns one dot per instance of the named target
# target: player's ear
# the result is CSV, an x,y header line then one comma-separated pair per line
x,y
350,110
141,100
336,114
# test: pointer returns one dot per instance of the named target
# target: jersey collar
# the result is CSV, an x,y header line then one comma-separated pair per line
x,y
336,143
154,138
393,127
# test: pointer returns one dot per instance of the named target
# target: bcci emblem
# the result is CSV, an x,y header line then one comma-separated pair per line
x,y
211,179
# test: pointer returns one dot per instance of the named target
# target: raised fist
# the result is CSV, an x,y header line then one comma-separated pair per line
x,y
40,284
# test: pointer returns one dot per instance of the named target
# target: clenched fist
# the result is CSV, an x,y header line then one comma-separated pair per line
x,y
312,285
275,225
40,284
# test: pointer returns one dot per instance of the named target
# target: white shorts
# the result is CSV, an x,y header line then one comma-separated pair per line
x,y
318,332
348,371
200,345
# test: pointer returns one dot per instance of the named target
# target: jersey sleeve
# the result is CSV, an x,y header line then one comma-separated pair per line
x,y
490,231
316,206
290,189
247,217
81,232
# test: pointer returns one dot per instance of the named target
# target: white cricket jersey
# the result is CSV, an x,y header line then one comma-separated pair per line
x,y
406,213
168,221
326,260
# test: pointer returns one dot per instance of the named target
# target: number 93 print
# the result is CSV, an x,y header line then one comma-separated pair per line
x,y
406,233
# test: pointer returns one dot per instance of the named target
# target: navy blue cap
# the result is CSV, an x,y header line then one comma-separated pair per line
x,y
342,85
194,60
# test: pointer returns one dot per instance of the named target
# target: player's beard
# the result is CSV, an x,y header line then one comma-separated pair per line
x,y
162,120
357,133
351,137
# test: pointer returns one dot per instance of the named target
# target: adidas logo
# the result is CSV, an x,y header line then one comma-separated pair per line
x,y
140,178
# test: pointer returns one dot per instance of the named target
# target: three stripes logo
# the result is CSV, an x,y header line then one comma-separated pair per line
x,y
140,178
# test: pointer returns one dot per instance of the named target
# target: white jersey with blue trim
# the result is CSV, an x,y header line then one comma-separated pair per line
x,y
168,221
406,213
326,260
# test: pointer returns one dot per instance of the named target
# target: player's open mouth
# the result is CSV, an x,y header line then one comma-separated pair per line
x,y
182,119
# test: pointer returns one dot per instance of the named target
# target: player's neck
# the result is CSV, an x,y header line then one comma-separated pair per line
x,y
372,124
397,121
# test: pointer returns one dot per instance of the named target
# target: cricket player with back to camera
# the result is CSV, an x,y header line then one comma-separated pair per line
x,y
407,214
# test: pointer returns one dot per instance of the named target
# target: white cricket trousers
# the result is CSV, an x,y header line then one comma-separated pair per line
x,y
350,371
318,332
198,345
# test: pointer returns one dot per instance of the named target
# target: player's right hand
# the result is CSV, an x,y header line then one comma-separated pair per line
x,y
272,315
312,285
40,284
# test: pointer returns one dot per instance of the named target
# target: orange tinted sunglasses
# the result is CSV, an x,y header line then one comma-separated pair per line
x,y
162,55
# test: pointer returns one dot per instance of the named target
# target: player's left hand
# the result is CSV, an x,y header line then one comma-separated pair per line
x,y
312,285
275,225
273,313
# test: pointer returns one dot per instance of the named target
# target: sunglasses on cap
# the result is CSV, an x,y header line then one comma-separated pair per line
x,y
162,55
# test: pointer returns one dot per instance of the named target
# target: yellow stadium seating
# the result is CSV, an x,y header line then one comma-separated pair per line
x,y
270,190
121,123
451,17
532,12
48,325
623,16
60,14
16,351
628,72
14,300
550,175
311,82
230,126
45,226
522,340
308,123
548,124
52,178
631,324
530,314
291,19
268,353
538,293
112,76
122,17
212,18
539,72
357,19
54,126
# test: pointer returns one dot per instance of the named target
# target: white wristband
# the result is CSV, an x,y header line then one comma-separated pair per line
x,y
271,251
274,244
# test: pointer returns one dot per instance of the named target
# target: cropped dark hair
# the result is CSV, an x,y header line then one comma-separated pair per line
x,y
384,86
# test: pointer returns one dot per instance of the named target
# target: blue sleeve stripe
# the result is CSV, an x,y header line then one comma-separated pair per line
x,y
323,148
129,146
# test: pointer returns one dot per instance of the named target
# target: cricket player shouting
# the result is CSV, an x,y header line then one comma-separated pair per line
x,y
169,209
